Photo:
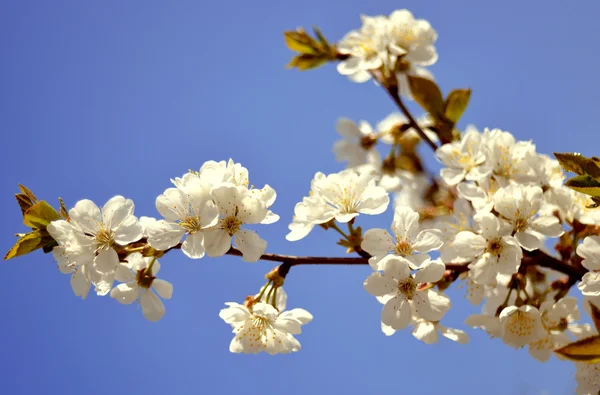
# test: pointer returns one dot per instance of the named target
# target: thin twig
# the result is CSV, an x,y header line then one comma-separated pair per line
x,y
393,92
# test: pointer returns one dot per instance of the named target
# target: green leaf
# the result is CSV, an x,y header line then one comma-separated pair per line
x,y
24,202
40,215
299,41
307,61
428,95
585,350
579,164
27,192
456,104
28,243
584,184
321,38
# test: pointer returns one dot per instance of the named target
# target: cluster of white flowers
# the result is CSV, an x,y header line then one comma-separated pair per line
x,y
263,327
398,43
341,197
208,208
408,297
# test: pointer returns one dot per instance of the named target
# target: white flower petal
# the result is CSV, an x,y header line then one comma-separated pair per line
x,y
428,240
126,293
216,242
163,235
116,210
163,288
431,305
396,313
377,242
430,271
106,261
250,244
378,284
193,246
152,307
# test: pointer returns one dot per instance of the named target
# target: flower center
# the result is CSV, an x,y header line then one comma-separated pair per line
x,y
367,142
144,279
190,224
520,324
348,202
231,224
521,224
494,247
403,248
407,287
104,238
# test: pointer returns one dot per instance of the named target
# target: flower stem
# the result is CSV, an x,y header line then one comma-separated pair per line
x,y
334,226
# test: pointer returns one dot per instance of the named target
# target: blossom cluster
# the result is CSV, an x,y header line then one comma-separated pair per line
x,y
397,43
203,213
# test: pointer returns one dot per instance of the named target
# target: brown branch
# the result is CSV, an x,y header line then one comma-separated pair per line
x,y
540,258
293,260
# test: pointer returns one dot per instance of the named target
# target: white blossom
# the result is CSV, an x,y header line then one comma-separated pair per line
x,y
508,159
409,240
345,195
358,144
555,317
141,285
237,207
491,251
571,206
519,204
263,328
74,255
188,210
521,325
92,229
366,47
404,294
464,159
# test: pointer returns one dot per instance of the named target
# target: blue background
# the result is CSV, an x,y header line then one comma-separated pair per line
x,y
106,98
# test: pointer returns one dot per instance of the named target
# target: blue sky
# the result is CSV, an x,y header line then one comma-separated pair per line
x,y
107,98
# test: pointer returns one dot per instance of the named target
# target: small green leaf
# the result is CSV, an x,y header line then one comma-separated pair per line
x,y
307,61
24,202
27,192
63,209
579,164
585,350
456,104
584,184
428,95
321,38
28,243
40,215
300,41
